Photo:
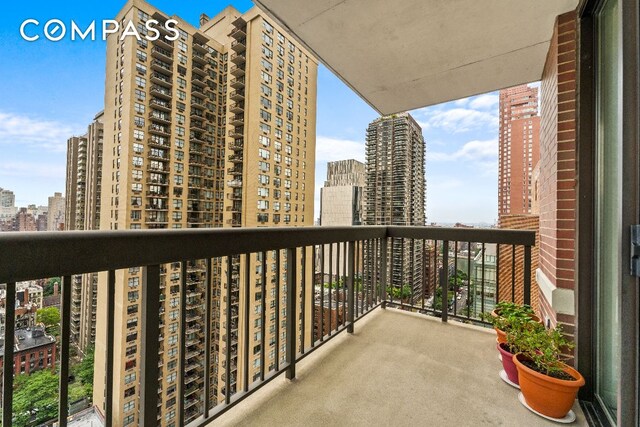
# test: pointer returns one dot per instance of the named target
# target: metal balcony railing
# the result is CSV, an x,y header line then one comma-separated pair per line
x,y
329,276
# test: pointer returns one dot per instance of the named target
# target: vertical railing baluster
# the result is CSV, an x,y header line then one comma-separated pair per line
x,y
527,275
372,259
111,309
150,320
207,338
277,310
483,268
497,273
359,300
425,268
513,273
344,278
330,328
321,293
263,317
65,336
303,298
9,342
183,342
445,281
383,271
350,287
469,279
227,374
338,286
247,307
455,278
292,295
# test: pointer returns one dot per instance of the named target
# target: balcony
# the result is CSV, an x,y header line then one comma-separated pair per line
x,y
399,344
390,359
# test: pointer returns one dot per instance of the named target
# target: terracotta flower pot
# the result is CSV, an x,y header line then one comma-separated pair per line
x,y
549,396
507,363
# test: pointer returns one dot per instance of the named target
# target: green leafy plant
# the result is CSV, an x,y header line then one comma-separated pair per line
x,y
508,313
400,293
518,328
543,348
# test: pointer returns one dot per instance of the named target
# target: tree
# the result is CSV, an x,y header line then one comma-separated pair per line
x,y
48,287
400,293
50,316
35,395
84,372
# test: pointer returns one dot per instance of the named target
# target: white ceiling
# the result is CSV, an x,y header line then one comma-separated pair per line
x,y
404,54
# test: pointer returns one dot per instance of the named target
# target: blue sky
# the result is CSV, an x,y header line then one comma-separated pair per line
x,y
50,91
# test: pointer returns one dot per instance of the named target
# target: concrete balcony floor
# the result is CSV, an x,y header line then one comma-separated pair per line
x,y
397,369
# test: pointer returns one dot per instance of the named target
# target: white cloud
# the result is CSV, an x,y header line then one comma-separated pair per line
x,y
483,152
332,149
457,120
31,170
461,102
484,101
22,130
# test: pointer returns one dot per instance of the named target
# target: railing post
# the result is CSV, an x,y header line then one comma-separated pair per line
x,y
383,271
8,369
111,307
291,313
444,280
350,291
527,275
65,336
149,346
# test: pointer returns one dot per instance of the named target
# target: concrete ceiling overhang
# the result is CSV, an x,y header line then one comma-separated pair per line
x,y
404,54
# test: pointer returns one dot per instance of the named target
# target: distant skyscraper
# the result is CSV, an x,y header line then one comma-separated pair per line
x,y
82,212
519,148
341,198
7,204
395,192
55,219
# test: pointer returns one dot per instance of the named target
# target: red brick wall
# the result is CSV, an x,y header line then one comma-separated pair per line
x,y
518,222
558,163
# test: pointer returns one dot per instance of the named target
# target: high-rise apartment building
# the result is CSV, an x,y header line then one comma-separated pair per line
x,y
519,148
341,202
82,212
395,193
55,212
341,198
214,128
7,204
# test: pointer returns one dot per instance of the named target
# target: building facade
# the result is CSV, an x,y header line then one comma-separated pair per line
x,y
7,204
82,212
519,148
395,192
34,351
215,128
55,213
341,198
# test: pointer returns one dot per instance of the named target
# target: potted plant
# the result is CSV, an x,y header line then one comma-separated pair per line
x,y
507,313
548,385
514,344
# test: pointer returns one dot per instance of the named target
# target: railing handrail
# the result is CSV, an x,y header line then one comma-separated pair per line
x,y
33,255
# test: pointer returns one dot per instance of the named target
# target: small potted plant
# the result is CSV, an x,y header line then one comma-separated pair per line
x,y
549,386
513,345
507,313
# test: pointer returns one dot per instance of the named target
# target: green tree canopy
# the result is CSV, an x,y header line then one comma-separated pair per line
x,y
48,287
50,316
35,394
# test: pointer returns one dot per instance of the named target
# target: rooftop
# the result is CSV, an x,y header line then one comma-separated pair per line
x,y
29,338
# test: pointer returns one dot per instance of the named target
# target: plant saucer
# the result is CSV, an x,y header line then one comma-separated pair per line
x,y
568,419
